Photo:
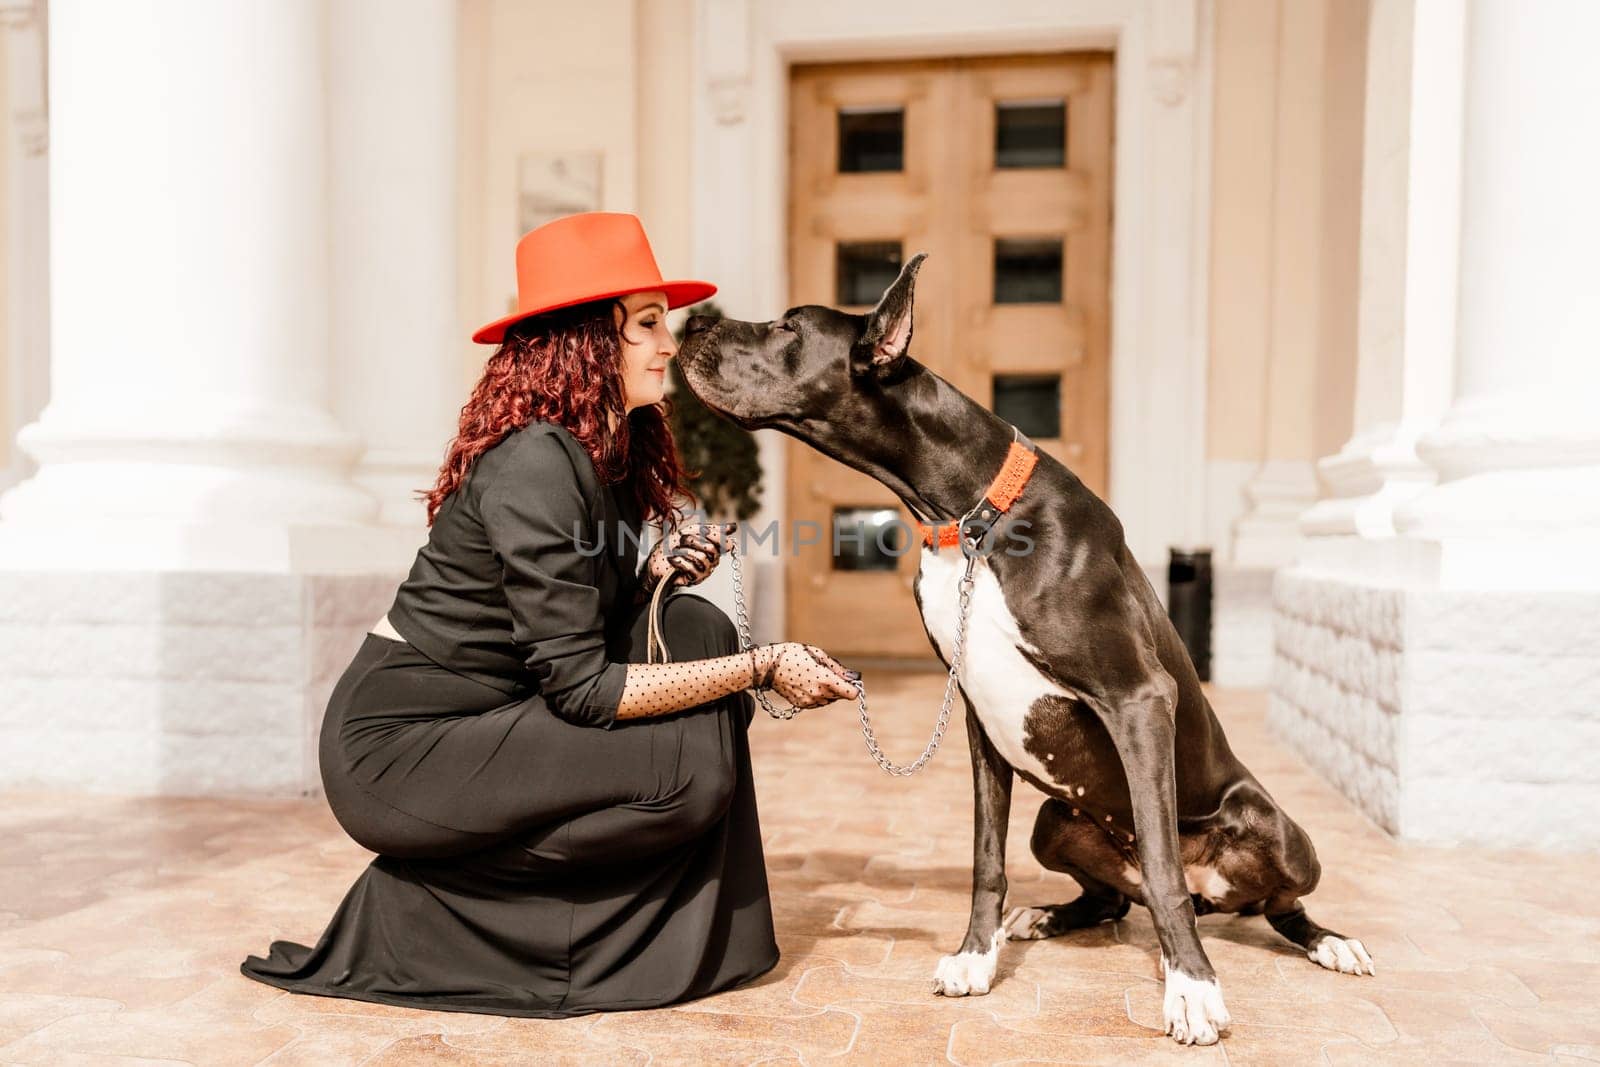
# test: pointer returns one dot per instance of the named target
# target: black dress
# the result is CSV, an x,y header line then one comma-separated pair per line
x,y
535,857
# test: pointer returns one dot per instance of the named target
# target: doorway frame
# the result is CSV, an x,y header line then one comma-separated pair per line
x,y
1161,200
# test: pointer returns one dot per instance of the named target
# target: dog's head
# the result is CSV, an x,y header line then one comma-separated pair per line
x,y
817,373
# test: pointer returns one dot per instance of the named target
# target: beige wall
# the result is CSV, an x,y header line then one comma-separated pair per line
x,y
1345,74
1285,221
1244,111
605,75
7,431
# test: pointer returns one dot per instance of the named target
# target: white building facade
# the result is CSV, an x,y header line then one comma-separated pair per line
x,y
237,293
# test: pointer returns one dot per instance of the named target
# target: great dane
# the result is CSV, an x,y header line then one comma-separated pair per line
x,y
1073,677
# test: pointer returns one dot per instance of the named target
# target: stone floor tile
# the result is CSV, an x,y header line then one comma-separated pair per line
x,y
981,1043
23,1013
1352,1017
124,921
433,1049
822,1033
899,1033
1254,1045
1555,982
562,1040
771,994
309,1013
1547,1028
80,1059
833,985
154,1035
1451,1048
335,1039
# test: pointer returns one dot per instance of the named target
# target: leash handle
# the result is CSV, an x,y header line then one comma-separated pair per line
x,y
653,639
655,644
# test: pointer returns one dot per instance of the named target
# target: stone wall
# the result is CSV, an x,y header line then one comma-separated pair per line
x,y
174,683
1446,715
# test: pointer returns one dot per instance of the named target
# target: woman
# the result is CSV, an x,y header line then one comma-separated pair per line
x,y
561,827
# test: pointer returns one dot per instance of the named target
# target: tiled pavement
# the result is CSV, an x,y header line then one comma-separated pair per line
x,y
122,924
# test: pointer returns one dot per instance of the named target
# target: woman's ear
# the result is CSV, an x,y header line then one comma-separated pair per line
x,y
887,336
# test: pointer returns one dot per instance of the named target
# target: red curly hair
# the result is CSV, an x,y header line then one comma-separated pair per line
x,y
565,367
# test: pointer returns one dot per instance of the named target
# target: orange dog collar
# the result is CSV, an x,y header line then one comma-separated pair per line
x,y
1003,492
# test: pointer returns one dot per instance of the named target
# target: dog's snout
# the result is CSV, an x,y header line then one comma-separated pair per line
x,y
699,323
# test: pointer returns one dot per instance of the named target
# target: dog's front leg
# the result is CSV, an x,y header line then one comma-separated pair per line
x,y
1142,726
971,970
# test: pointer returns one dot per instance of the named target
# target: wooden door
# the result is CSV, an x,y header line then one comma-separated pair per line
x,y
1000,169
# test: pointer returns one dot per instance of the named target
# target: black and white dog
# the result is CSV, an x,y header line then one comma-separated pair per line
x,y
1073,677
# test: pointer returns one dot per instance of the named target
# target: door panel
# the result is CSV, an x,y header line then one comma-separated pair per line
x,y
1003,176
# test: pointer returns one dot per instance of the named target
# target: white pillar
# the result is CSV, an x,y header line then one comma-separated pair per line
x,y
392,139
189,422
1410,223
1286,483
1441,661
187,575
1518,454
27,251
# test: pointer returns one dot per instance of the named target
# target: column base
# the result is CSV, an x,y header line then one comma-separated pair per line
x,y
1450,716
161,546
1518,528
1269,534
394,478
175,683
1373,474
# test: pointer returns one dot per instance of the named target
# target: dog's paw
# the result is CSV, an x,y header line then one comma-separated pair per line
x,y
1027,924
1193,1009
968,973
1343,954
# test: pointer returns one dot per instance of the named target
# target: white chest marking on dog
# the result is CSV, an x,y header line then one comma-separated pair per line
x,y
1002,684
968,972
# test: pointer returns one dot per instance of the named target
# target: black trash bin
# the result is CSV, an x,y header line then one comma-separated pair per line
x,y
1189,604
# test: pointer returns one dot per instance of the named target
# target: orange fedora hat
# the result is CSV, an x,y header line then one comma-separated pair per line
x,y
591,256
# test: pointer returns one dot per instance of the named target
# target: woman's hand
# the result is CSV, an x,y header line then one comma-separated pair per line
x,y
804,675
688,554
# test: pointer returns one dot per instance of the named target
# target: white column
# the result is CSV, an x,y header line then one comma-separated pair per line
x,y
189,423
1410,221
27,251
1286,483
392,139
1440,665
1518,454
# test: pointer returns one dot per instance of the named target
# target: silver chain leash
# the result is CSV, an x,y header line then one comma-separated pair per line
x,y
899,770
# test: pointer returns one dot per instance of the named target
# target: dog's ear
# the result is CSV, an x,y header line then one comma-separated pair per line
x,y
888,332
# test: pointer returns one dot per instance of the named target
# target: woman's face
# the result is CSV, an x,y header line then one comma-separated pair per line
x,y
647,344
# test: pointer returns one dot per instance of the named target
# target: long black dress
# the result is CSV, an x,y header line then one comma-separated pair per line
x,y
535,861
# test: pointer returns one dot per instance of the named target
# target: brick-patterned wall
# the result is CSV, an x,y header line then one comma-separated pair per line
x,y
1447,716
174,683
1335,686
